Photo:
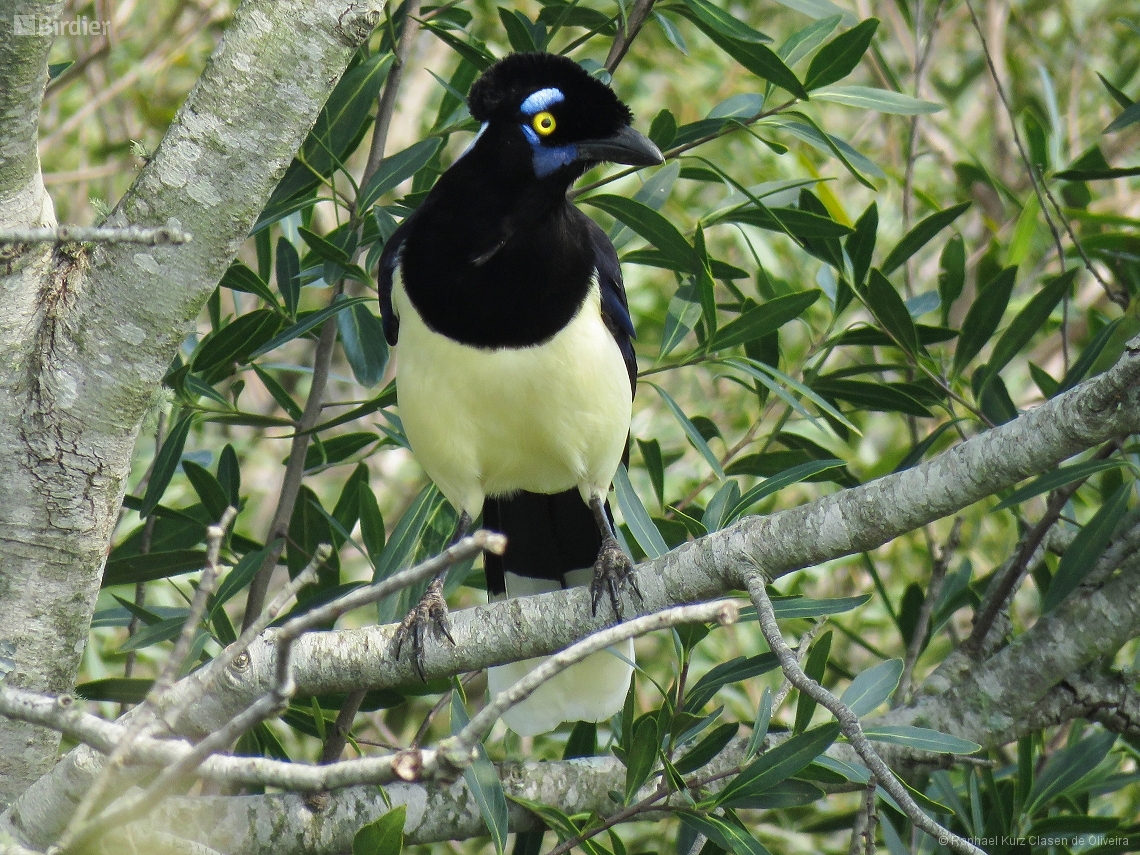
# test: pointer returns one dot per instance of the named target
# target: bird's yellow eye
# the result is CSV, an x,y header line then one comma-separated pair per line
x,y
543,123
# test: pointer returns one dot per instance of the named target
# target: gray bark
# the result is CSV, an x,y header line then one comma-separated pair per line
x,y
86,335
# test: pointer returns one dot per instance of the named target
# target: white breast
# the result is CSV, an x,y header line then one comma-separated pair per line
x,y
492,422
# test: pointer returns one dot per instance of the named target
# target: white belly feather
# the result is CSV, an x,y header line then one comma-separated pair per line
x,y
491,422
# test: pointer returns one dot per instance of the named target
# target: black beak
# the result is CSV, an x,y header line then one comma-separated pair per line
x,y
626,146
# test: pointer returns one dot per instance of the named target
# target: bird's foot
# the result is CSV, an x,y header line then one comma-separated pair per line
x,y
431,611
613,572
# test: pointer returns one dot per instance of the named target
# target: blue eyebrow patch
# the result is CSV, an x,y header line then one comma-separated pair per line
x,y
541,100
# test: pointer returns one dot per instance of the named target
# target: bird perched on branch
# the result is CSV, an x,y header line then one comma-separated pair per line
x,y
515,363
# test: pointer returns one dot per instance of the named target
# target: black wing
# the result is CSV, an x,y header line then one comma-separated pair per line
x,y
389,259
615,307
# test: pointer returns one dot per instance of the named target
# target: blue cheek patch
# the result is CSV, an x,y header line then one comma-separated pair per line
x,y
543,99
548,159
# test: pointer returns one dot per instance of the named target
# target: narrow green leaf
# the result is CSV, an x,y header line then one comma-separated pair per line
x,y
483,780
732,671
759,321
920,235
790,221
362,336
879,100
760,725
951,274
654,466
1098,174
642,757
890,311
582,742
1066,767
983,318
801,43
371,523
873,686
860,244
288,270
838,58
708,748
154,634
280,395
778,482
1058,478
650,225
636,517
814,667
1089,356
1029,320
211,492
338,448
237,340
394,170
229,475
239,277
120,690
308,321
691,431
384,836
763,372
883,397
728,837
920,739
1130,116
165,463
1081,555
239,577
779,763
724,23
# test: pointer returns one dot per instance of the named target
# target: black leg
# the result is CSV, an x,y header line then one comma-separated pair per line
x,y
613,570
431,610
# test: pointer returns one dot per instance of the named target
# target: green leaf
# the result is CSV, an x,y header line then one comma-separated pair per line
x,y
779,763
1058,478
920,235
339,128
654,466
364,344
860,244
384,836
766,374
238,340
652,226
725,835
983,318
683,313
121,690
787,608
289,275
156,633
790,221
759,321
229,475
873,686
338,448
165,463
879,100
483,780
838,58
883,397
708,748
211,493
1081,555
279,393
801,43
1066,767
814,667
238,277
240,576
760,725
1089,356
757,58
393,171
724,23
636,517
778,482
691,431
1130,116
308,321
1029,320
308,529
371,523
642,756
732,671
920,739
1098,174
890,311
582,742
951,274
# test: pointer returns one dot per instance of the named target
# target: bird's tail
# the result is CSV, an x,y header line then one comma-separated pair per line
x,y
552,543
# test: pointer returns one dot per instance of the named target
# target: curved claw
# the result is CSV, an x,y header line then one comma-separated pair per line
x,y
613,571
431,610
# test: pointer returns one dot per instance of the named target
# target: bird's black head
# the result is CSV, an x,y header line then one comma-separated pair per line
x,y
567,119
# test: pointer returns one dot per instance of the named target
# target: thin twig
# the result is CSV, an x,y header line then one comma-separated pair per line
x,y
938,572
625,36
68,233
802,651
848,721
459,750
